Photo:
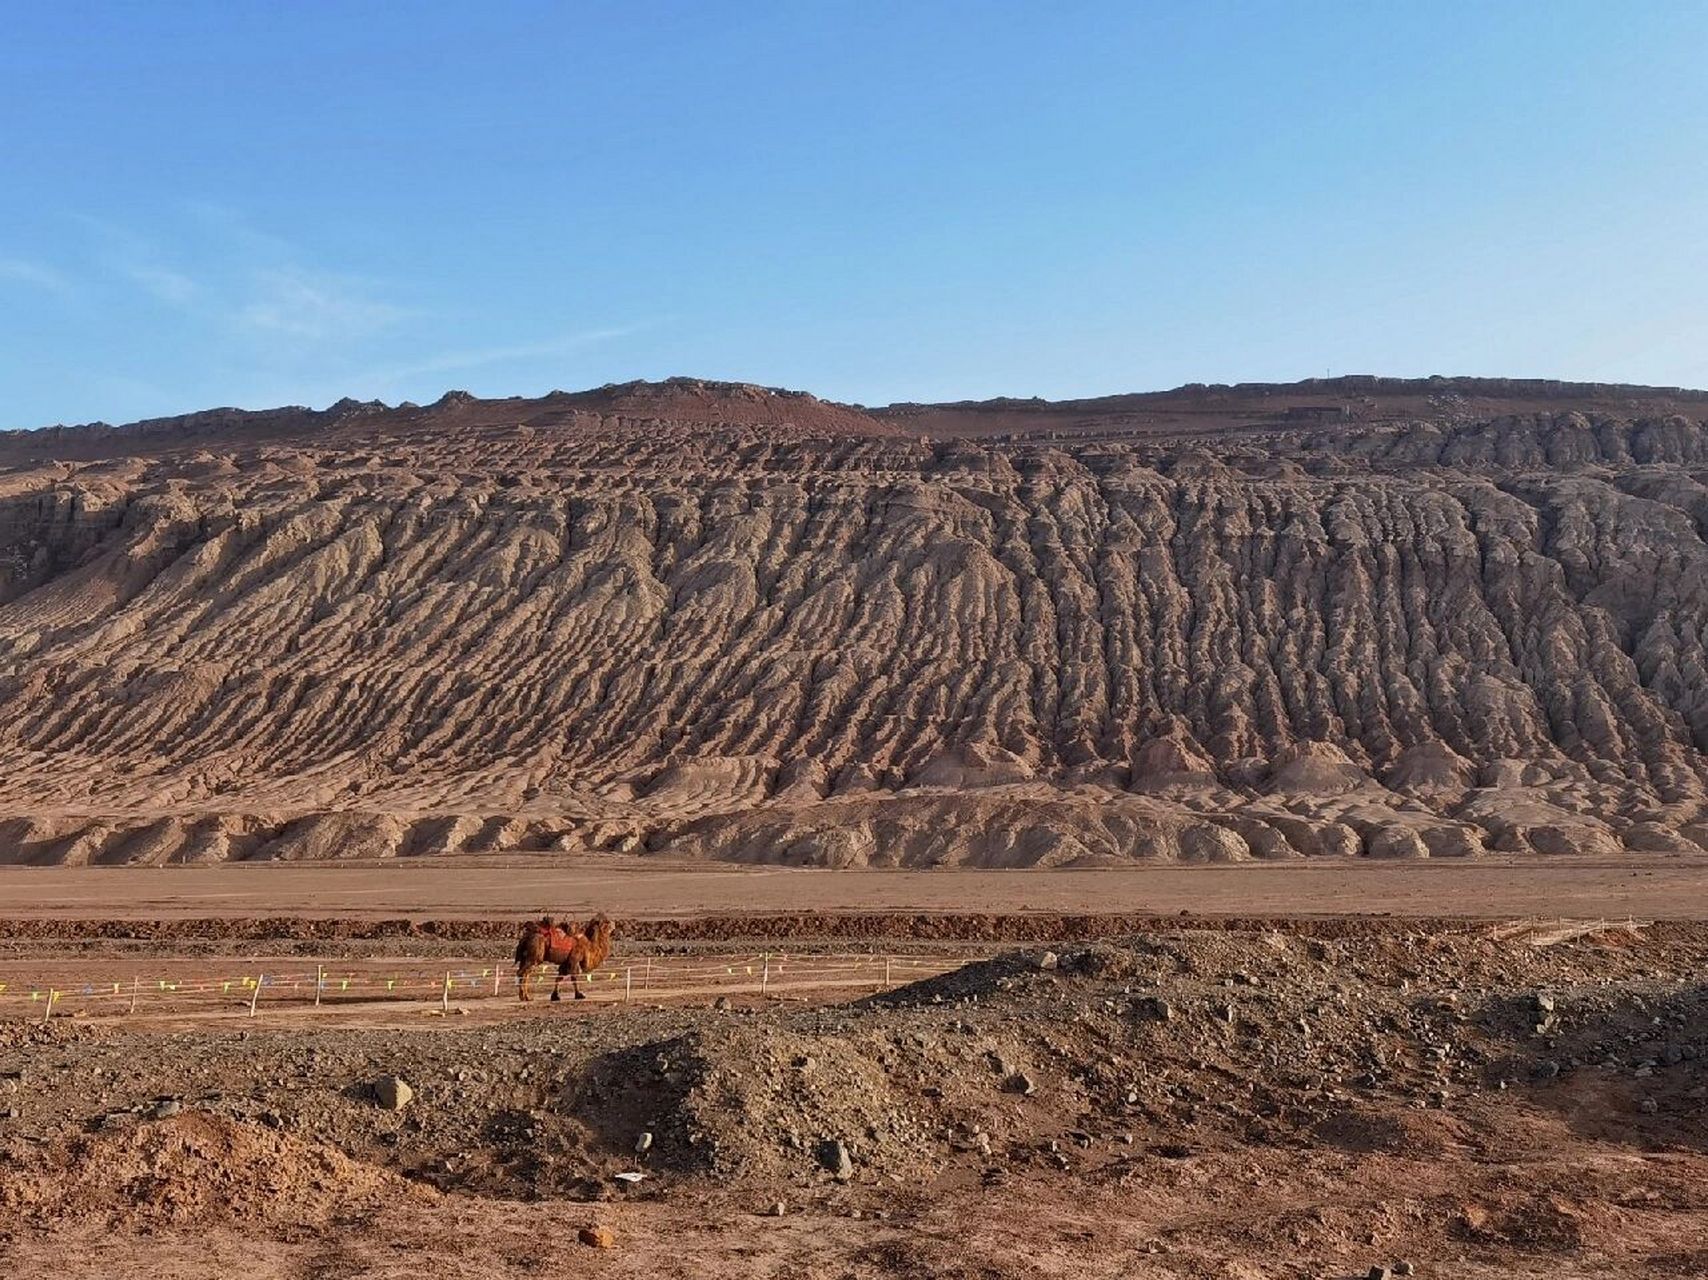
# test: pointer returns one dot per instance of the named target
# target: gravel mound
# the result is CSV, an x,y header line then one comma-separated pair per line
x,y
190,1169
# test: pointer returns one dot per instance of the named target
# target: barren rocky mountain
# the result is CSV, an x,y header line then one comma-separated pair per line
x,y
1341,618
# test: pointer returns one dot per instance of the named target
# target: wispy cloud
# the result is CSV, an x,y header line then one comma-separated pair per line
x,y
271,321
247,280
480,357
141,262
226,225
318,306
35,274
407,378
168,286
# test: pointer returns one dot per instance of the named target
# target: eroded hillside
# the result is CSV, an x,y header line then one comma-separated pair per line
x,y
1330,620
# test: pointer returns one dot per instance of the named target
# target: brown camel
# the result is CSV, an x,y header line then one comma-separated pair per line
x,y
574,951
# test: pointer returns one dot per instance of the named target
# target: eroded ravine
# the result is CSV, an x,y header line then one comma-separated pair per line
x,y
836,645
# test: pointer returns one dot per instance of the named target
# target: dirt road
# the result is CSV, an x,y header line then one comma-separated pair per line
x,y
469,887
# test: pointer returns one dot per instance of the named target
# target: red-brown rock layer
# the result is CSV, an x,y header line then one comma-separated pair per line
x,y
1352,618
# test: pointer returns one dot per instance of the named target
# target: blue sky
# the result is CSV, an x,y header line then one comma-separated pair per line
x,y
253,204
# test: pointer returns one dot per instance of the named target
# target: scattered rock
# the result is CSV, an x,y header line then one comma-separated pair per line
x,y
597,1237
393,1093
1153,1008
1021,1083
643,1143
833,1155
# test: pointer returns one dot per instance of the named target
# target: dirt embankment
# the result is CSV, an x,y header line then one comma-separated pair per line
x,y
815,927
1261,1101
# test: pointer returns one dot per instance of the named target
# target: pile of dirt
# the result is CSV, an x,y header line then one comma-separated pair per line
x,y
1204,1040
758,1102
187,1170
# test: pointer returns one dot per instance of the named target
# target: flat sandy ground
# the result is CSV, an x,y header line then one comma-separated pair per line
x,y
470,887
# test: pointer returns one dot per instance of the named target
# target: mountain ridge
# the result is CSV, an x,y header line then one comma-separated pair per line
x,y
714,400
1273,629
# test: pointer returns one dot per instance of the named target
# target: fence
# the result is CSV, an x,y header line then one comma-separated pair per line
x,y
289,982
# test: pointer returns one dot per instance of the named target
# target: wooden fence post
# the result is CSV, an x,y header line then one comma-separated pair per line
x,y
255,995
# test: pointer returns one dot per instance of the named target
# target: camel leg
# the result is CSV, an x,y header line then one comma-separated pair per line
x,y
575,984
561,970
522,971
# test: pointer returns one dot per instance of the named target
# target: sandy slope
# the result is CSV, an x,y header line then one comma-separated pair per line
x,y
1416,620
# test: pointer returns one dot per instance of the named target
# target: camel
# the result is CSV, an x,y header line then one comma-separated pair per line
x,y
573,951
